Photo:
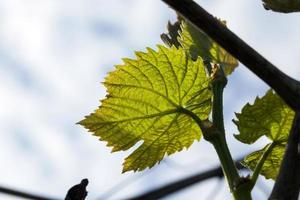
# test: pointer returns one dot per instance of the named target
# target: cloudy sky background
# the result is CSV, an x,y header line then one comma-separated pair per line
x,y
55,53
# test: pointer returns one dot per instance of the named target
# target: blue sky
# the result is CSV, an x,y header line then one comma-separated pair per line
x,y
53,56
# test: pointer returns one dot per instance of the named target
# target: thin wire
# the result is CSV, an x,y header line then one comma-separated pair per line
x,y
126,182
122,185
24,195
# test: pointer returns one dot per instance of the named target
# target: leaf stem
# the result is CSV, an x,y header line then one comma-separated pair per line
x,y
261,163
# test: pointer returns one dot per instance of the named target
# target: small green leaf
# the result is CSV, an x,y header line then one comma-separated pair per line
x,y
197,43
145,102
269,116
284,6
272,164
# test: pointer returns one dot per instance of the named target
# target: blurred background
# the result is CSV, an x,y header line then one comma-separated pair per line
x,y
55,53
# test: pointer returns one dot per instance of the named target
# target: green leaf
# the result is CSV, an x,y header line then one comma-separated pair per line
x,y
197,43
269,116
284,6
145,102
272,164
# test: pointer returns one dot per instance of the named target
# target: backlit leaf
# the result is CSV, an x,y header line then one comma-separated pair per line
x,y
272,164
269,116
145,102
197,43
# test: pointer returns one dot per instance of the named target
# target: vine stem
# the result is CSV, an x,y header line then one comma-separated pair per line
x,y
214,132
219,81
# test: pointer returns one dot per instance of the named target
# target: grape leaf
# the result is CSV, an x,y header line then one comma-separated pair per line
x,y
269,116
145,102
284,6
197,43
271,165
